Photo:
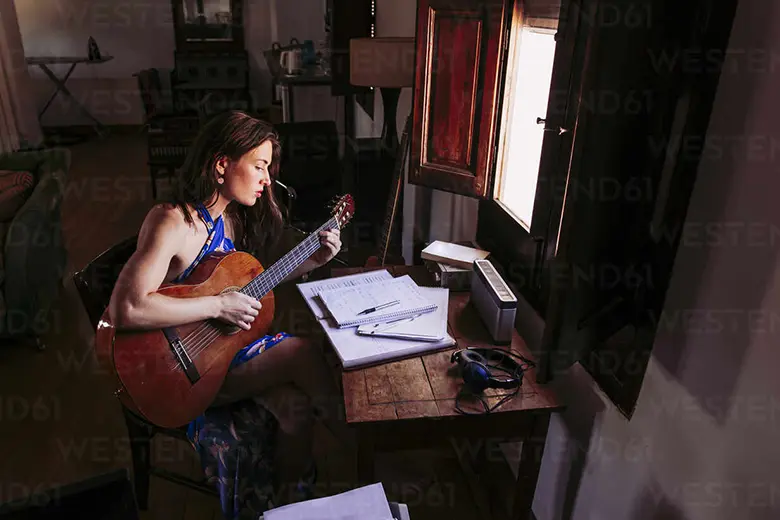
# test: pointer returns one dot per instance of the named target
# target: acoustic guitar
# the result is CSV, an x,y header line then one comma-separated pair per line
x,y
170,376
383,255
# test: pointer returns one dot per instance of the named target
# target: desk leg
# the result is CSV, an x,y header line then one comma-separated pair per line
x,y
528,472
365,458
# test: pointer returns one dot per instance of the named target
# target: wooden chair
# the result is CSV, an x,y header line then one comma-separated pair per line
x,y
95,283
169,132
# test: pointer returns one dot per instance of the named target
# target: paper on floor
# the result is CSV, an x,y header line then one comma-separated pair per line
x,y
364,503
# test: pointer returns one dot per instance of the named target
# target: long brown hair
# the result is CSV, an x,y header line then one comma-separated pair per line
x,y
232,134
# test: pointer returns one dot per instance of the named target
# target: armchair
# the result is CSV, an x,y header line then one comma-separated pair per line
x,y
33,255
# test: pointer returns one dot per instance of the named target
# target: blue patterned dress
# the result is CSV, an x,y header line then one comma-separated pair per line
x,y
236,442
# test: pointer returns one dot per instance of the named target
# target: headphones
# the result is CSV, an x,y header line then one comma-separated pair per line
x,y
477,366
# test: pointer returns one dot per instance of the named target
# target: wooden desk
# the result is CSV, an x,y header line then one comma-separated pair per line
x,y
410,403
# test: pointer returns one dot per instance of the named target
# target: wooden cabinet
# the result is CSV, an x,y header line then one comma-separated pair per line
x,y
460,46
208,25
211,62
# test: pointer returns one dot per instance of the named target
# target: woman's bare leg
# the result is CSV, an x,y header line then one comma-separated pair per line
x,y
293,361
293,456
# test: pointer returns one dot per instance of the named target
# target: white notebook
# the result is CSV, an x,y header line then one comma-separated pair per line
x,y
311,290
358,351
430,326
376,302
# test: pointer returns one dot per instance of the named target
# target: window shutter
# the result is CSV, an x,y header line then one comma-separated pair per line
x,y
610,272
459,72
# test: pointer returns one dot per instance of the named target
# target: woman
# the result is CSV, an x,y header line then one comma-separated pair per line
x,y
223,197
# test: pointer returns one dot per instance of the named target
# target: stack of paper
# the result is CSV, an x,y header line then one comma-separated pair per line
x,y
373,343
364,503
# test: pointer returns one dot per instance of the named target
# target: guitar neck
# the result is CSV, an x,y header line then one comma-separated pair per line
x,y
266,281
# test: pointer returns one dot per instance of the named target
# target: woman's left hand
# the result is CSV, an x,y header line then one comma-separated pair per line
x,y
330,245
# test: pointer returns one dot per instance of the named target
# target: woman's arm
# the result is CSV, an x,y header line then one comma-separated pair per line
x,y
135,304
330,244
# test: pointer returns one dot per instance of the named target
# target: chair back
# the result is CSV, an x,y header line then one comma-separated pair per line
x,y
150,88
95,282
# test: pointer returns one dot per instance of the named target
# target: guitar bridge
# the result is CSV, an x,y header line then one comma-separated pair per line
x,y
181,355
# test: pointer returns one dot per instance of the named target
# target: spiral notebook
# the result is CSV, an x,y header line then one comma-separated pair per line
x,y
393,300
431,326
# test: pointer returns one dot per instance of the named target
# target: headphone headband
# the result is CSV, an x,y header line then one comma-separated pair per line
x,y
477,365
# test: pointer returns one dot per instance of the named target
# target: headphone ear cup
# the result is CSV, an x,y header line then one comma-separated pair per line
x,y
476,376
473,356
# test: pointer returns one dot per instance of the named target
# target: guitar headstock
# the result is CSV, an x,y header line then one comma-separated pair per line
x,y
344,210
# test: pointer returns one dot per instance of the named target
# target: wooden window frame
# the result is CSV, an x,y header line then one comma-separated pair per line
x,y
533,272
522,255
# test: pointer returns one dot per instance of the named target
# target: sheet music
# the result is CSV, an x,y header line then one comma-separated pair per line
x,y
363,503
310,290
346,304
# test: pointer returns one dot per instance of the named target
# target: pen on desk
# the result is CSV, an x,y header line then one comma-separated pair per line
x,y
382,327
378,307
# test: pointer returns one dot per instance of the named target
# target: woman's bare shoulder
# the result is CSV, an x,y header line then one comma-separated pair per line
x,y
164,222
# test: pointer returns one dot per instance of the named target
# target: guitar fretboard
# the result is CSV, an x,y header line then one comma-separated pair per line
x,y
282,268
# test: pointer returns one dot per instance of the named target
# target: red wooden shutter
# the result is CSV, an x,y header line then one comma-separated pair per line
x,y
458,86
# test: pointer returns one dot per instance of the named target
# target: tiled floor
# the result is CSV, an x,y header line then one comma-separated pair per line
x,y
59,422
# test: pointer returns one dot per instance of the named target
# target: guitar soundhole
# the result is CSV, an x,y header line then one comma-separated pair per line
x,y
227,329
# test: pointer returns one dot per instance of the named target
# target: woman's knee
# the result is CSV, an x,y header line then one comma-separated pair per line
x,y
307,353
291,407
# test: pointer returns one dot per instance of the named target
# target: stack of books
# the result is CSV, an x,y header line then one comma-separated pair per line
x,y
372,317
451,264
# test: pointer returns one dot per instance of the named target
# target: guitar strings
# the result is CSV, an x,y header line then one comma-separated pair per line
x,y
282,263
202,337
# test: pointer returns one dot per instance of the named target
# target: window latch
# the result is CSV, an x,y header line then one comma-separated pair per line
x,y
560,129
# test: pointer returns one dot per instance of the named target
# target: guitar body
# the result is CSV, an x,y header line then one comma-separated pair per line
x,y
149,378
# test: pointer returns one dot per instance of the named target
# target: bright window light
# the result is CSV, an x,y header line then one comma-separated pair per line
x,y
529,90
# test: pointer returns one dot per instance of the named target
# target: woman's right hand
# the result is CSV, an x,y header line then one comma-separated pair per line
x,y
238,309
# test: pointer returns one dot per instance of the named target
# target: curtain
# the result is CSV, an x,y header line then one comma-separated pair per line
x,y
19,124
453,217
9,133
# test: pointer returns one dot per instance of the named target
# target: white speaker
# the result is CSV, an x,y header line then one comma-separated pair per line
x,y
494,301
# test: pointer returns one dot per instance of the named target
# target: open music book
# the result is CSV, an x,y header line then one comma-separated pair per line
x,y
356,350
311,290
376,303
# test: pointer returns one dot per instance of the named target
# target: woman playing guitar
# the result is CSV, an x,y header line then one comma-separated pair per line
x,y
223,197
